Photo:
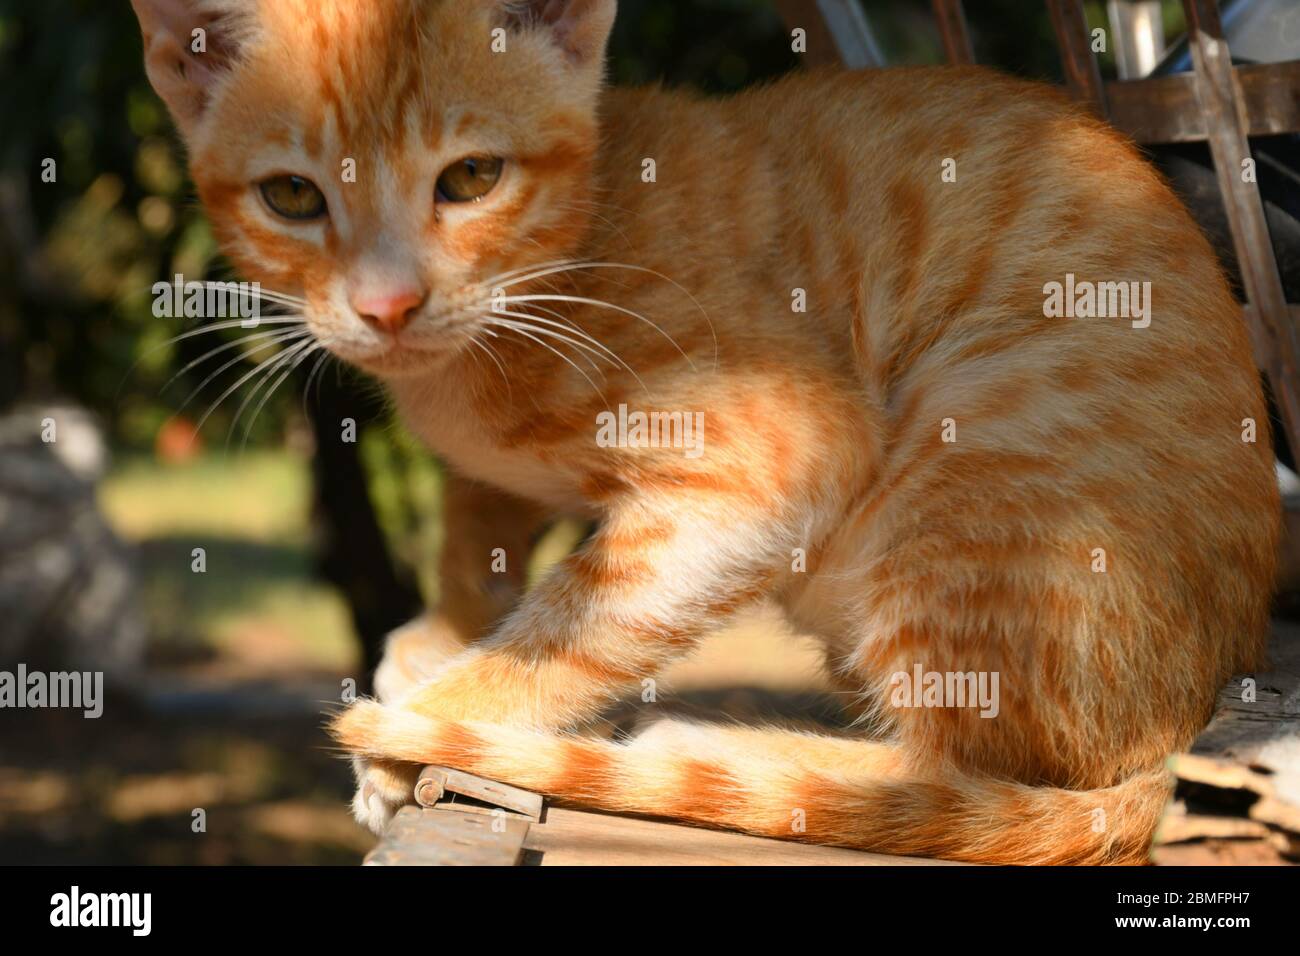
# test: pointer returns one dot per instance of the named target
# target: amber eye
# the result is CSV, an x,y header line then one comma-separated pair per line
x,y
293,197
469,179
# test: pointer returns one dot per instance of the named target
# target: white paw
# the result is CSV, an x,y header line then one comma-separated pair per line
x,y
382,789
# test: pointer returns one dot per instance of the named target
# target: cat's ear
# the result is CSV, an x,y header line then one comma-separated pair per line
x,y
579,27
188,46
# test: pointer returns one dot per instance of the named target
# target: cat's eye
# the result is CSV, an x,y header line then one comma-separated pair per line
x,y
469,179
293,197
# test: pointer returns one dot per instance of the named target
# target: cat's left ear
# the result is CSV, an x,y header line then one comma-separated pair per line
x,y
188,46
579,27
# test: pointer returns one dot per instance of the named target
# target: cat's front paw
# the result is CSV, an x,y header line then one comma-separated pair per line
x,y
383,788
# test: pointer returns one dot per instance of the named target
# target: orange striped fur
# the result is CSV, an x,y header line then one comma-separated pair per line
x,y
824,428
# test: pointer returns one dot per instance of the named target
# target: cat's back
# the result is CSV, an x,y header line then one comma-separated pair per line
x,y
960,214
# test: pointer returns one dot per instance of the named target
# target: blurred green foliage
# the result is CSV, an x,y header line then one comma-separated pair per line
x,y
78,255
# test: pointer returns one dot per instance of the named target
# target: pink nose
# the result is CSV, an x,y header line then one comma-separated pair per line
x,y
389,311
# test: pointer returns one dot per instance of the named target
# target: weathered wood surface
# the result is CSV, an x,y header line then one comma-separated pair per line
x,y
1238,793
1250,732
420,837
1165,109
1218,90
1082,74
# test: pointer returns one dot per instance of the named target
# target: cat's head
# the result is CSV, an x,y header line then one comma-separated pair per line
x,y
389,161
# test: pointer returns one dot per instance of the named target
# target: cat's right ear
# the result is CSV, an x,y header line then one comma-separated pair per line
x,y
188,46
578,27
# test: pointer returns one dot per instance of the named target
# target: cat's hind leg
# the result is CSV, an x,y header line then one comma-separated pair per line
x,y
413,653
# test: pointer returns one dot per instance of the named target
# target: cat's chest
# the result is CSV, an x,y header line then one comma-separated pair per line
x,y
448,427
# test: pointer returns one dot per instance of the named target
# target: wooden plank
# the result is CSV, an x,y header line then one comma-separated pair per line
x,y
1179,825
1250,732
1218,853
581,838
423,837
438,787
1237,798
1219,92
953,31
1082,74
1165,109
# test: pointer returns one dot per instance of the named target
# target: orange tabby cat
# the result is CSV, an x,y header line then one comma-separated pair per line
x,y
864,306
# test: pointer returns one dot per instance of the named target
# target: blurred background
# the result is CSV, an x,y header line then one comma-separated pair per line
x,y
219,677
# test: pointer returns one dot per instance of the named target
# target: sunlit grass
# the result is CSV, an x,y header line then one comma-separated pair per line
x,y
260,496
257,606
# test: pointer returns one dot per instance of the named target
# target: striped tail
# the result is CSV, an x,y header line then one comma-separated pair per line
x,y
784,784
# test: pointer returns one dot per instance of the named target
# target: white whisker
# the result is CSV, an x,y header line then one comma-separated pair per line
x,y
276,335
608,355
281,358
215,327
235,361
293,366
491,353
599,303
544,270
315,371
496,279
548,333
605,353
244,378
561,355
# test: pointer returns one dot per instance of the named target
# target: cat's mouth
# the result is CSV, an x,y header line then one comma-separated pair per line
x,y
412,350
